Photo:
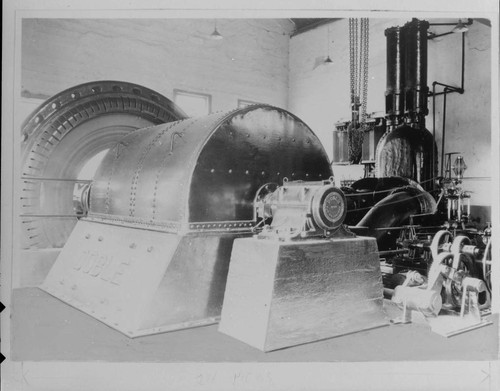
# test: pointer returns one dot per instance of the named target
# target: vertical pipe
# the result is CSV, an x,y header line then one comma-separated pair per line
x,y
444,130
416,89
434,152
463,62
394,101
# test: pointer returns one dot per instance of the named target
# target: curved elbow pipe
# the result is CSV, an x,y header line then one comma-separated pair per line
x,y
393,211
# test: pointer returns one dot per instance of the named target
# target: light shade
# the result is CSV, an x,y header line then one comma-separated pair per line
x,y
328,61
216,35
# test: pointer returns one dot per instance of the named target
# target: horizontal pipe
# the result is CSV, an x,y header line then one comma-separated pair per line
x,y
393,252
469,22
46,216
25,178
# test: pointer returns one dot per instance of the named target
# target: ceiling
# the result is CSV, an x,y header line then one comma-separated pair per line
x,y
305,24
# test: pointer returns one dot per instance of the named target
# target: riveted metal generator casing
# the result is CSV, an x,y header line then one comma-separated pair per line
x,y
190,185
203,173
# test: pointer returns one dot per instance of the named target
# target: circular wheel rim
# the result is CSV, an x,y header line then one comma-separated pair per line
x,y
62,135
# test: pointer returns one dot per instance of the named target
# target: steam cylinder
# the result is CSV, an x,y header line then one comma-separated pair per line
x,y
394,95
416,89
407,150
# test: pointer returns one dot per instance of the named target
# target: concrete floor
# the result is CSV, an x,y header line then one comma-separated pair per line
x,y
46,329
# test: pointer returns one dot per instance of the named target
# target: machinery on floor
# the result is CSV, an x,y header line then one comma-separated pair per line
x,y
164,208
305,276
236,213
417,231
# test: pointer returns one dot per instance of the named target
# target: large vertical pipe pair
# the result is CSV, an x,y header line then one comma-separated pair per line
x,y
406,149
406,93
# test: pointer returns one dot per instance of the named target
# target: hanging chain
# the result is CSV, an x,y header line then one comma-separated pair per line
x,y
365,32
358,64
351,58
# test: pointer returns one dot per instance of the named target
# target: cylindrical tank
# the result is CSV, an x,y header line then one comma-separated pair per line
x,y
394,95
407,150
415,75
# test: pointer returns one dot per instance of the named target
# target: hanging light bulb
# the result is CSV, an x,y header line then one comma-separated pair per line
x,y
461,27
215,34
328,60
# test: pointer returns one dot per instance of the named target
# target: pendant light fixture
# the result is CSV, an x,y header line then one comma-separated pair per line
x,y
215,34
328,60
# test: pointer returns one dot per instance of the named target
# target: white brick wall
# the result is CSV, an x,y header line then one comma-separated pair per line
x,y
251,62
